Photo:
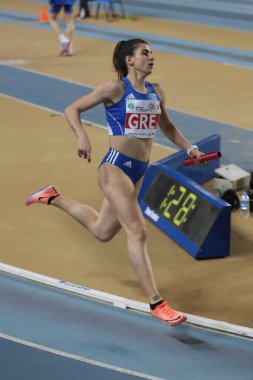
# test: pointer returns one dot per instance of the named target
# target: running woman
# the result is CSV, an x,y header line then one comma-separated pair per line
x,y
134,109
66,43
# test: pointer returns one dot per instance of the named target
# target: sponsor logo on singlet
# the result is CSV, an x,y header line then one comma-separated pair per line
x,y
130,96
142,117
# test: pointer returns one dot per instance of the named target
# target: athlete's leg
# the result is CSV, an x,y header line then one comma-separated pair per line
x,y
121,193
65,43
69,25
54,23
103,225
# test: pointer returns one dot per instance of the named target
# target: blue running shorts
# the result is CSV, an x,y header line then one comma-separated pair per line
x,y
55,9
134,169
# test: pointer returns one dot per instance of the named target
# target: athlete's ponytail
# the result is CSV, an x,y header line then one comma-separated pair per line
x,y
123,49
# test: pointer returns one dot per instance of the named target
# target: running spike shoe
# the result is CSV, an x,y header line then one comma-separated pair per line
x,y
167,315
42,195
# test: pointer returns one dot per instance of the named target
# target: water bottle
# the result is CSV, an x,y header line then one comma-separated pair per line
x,y
244,205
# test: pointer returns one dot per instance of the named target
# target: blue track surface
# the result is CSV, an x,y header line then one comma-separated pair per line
x,y
24,362
14,80
125,339
224,55
229,14
89,329
233,138
220,13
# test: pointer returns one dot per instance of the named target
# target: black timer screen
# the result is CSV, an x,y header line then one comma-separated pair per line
x,y
180,206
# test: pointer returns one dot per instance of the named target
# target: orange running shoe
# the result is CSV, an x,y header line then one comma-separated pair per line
x,y
42,195
167,315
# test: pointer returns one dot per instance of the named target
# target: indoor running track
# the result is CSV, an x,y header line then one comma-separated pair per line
x,y
48,333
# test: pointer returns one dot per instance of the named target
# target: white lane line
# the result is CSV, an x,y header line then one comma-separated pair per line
x,y
78,358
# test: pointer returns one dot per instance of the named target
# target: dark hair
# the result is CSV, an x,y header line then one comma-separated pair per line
x,y
122,49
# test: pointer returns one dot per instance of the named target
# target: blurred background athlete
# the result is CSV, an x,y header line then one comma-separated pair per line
x,y
66,42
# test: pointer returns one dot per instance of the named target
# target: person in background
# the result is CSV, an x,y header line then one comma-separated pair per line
x,y
84,10
134,109
66,42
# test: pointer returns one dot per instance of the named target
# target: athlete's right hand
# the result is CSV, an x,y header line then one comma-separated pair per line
x,y
84,147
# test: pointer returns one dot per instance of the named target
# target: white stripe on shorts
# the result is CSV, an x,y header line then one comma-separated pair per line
x,y
110,155
115,158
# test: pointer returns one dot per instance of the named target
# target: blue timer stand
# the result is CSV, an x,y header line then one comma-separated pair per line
x,y
217,240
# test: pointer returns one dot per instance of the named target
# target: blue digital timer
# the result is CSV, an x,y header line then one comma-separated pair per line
x,y
185,211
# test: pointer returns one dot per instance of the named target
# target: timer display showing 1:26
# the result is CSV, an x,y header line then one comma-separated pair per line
x,y
179,206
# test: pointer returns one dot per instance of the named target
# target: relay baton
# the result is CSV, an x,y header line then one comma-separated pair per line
x,y
203,158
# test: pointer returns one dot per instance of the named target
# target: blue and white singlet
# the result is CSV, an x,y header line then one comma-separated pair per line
x,y
135,114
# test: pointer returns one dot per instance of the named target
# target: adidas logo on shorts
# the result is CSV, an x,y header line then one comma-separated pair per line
x,y
128,164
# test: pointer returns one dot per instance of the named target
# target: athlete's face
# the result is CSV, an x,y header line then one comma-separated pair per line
x,y
143,59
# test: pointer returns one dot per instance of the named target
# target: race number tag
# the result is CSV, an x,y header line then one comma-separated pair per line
x,y
142,117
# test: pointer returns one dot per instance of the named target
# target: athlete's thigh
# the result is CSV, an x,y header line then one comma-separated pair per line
x,y
68,13
121,194
55,10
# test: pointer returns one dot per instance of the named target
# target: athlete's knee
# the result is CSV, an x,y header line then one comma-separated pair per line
x,y
103,236
139,233
70,27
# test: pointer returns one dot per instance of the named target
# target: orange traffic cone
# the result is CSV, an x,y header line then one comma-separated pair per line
x,y
43,15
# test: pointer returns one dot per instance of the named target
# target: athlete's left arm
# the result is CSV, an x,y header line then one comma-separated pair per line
x,y
169,129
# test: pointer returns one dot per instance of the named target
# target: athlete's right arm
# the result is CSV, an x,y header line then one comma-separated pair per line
x,y
107,92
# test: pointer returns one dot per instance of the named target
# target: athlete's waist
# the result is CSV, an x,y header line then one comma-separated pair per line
x,y
134,147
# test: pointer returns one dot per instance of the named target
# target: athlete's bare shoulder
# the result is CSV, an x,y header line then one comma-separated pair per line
x,y
113,88
158,88
111,83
